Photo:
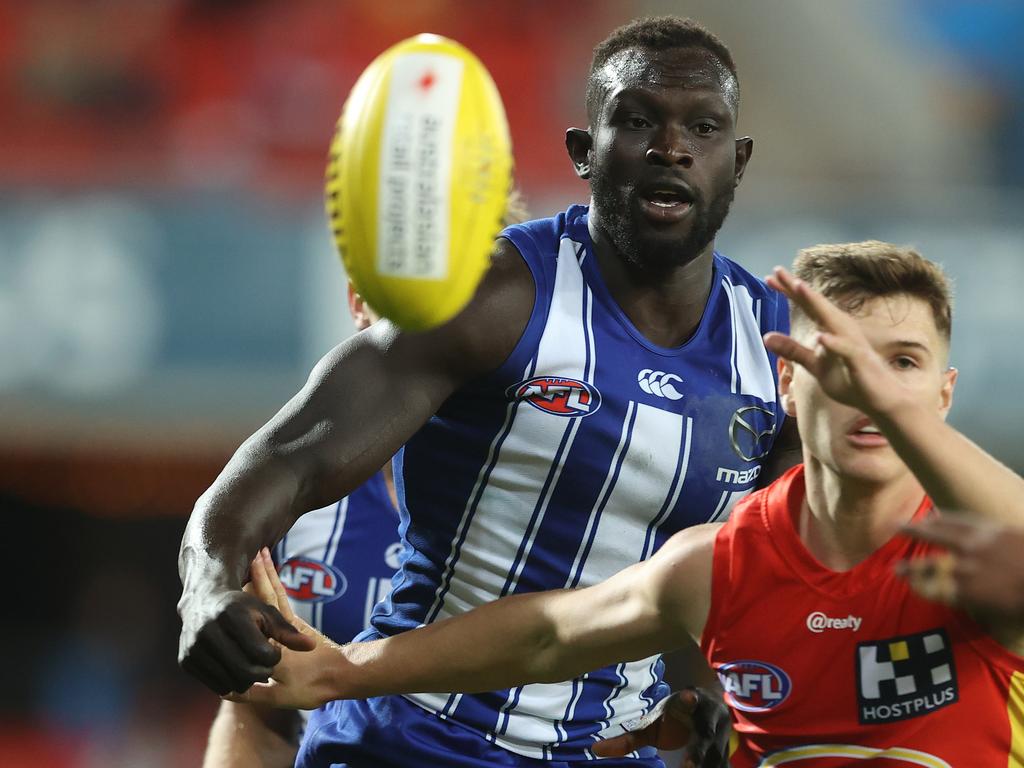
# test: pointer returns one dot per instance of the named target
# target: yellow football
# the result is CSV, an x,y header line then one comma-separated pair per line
x,y
418,178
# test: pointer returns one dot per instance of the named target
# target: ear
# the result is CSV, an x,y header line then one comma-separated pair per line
x,y
579,143
949,377
785,368
359,309
744,149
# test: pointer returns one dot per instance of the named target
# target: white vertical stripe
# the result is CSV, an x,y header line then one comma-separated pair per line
x,y
668,507
751,364
312,536
602,498
622,527
479,570
621,530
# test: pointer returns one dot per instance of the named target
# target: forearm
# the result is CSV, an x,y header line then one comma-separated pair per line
x,y
535,638
956,473
333,435
250,736
506,643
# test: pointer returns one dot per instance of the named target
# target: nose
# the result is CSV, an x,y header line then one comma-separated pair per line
x,y
669,148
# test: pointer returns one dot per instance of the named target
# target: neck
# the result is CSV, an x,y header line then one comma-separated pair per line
x,y
844,520
665,305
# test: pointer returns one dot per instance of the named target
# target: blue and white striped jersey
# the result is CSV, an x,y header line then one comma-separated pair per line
x,y
578,457
336,563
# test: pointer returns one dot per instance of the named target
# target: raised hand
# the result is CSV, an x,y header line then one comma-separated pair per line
x,y
841,358
690,718
231,639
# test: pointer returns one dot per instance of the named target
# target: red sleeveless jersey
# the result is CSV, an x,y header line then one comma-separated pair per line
x,y
829,669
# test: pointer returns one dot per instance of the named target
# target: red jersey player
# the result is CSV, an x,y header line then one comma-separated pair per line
x,y
826,655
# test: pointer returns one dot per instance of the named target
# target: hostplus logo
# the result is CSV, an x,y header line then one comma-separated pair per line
x,y
905,677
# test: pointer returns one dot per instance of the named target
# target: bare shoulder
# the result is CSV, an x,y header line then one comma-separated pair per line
x,y
473,343
690,550
486,332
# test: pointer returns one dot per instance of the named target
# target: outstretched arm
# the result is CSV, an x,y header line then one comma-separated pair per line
x,y
361,403
956,473
539,637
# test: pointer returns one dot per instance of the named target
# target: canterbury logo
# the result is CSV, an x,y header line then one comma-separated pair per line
x,y
659,383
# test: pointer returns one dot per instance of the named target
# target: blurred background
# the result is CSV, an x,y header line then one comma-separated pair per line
x,y
167,281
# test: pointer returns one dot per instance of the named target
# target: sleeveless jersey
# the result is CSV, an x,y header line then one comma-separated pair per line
x,y
336,563
579,456
831,669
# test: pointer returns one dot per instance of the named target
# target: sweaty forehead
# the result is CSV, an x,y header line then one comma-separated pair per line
x,y
685,68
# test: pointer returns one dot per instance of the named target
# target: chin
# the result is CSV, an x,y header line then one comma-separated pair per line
x,y
874,470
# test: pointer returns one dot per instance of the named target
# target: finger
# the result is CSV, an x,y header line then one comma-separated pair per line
x,y
820,310
208,671
262,587
789,348
948,532
241,670
247,625
685,702
285,633
284,605
931,577
838,345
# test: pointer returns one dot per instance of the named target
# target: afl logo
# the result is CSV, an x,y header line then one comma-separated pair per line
x,y
312,581
557,395
754,686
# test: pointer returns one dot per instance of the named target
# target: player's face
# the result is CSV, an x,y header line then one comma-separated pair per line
x,y
902,330
664,159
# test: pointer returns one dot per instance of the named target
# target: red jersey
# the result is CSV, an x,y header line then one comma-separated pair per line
x,y
830,669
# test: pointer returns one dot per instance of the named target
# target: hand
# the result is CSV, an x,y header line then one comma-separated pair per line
x,y
228,639
299,680
842,360
690,718
982,569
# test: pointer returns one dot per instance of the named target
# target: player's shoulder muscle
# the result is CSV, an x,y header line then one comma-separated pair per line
x,y
680,576
475,342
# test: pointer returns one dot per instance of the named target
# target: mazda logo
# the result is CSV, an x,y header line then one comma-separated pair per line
x,y
751,430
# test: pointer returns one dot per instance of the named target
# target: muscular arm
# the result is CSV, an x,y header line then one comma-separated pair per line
x,y
540,637
361,403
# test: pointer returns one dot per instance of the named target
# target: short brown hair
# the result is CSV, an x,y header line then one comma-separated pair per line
x,y
851,273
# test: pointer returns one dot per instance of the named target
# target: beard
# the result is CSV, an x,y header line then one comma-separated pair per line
x,y
618,218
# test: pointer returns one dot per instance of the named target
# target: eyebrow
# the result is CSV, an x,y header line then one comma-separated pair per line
x,y
904,343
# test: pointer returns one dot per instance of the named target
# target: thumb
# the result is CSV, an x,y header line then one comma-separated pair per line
x,y
278,628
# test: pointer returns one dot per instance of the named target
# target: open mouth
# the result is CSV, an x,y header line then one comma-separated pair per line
x,y
866,435
668,202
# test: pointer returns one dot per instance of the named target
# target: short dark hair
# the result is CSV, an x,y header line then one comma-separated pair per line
x,y
657,33
851,273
